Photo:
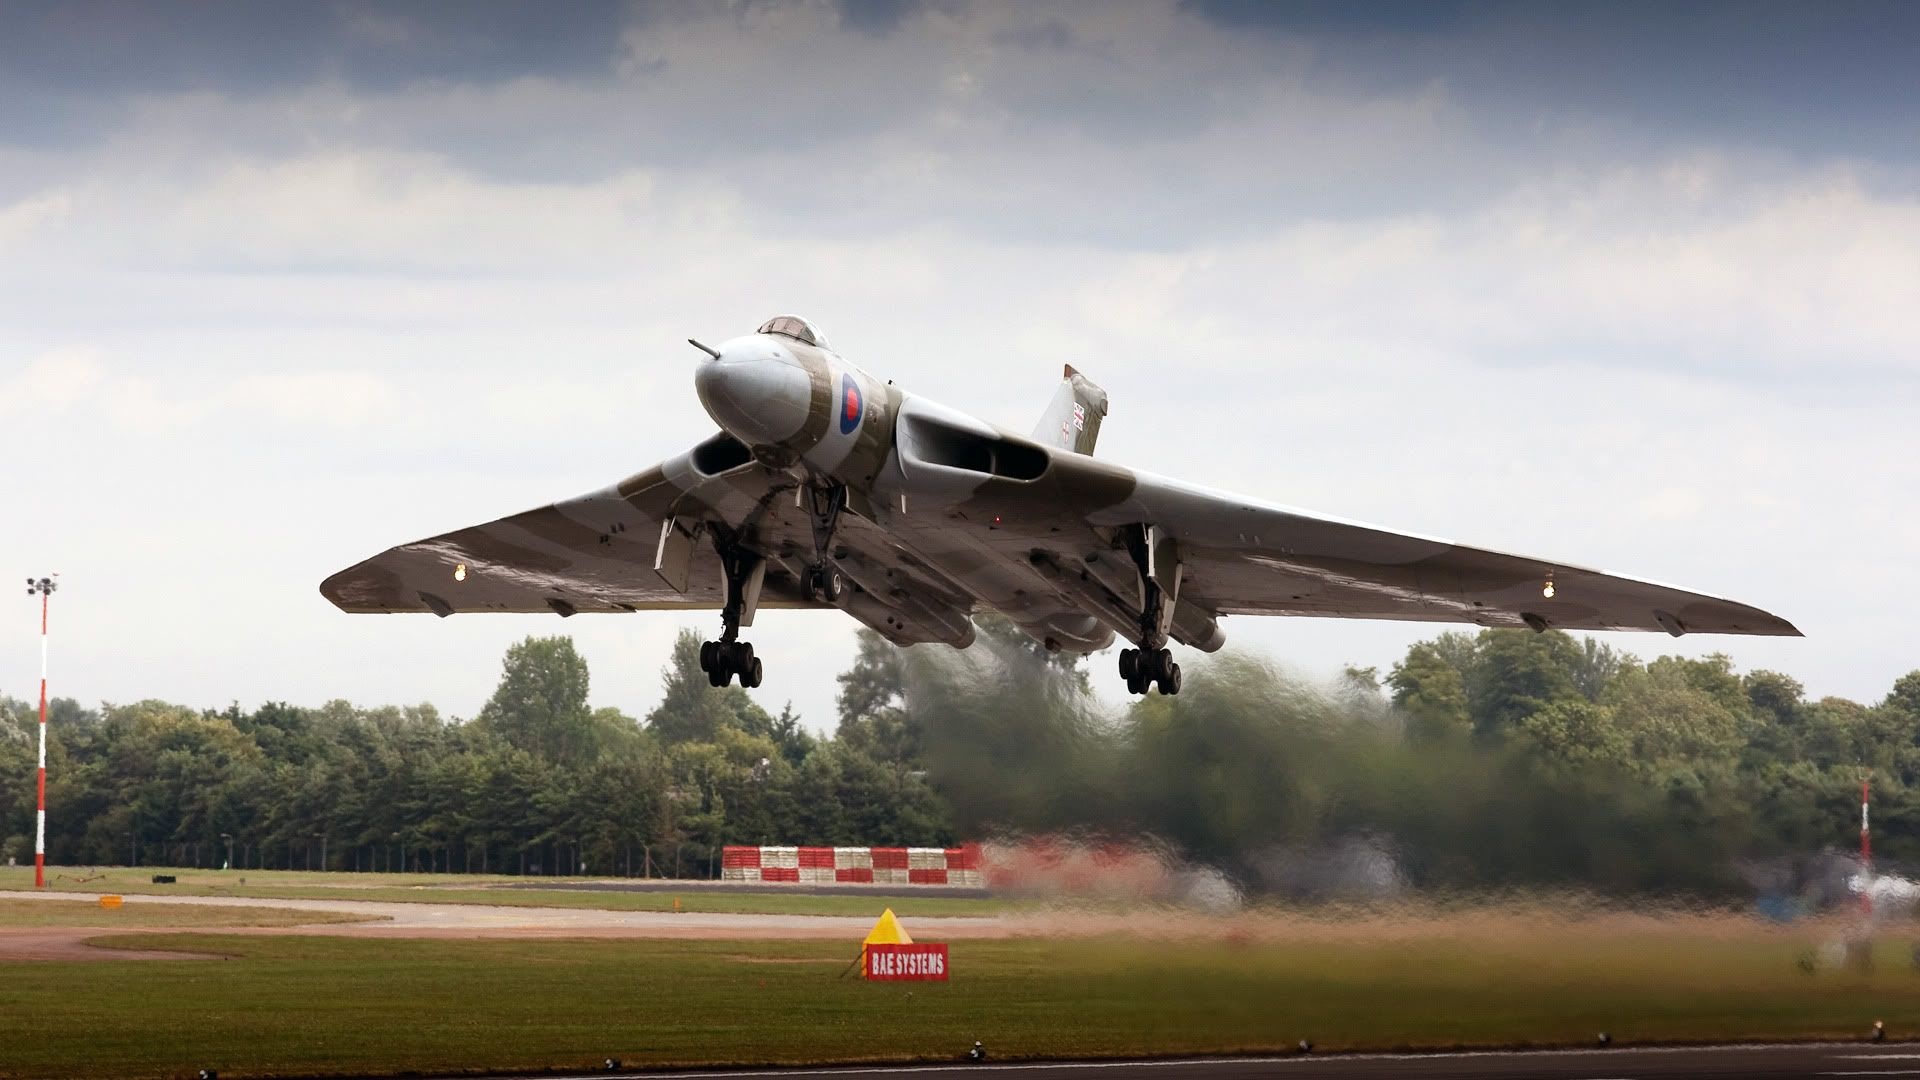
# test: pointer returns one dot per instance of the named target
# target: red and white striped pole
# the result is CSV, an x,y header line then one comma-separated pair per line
x,y
1866,849
44,589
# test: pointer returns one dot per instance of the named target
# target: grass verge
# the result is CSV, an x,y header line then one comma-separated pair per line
x,y
287,1005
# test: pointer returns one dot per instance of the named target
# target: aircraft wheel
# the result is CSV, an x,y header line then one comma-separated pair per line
x,y
722,660
1129,664
835,582
1170,682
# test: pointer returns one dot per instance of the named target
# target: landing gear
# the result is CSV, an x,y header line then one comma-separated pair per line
x,y
1158,559
824,582
1144,668
729,656
722,660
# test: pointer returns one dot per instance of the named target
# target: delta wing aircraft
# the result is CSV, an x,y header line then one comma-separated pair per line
x,y
829,488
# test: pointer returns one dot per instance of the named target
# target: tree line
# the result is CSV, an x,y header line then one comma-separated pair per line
x,y
537,782
1492,759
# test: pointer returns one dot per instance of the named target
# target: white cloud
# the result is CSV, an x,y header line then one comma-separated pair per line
x,y
251,340
21,219
53,381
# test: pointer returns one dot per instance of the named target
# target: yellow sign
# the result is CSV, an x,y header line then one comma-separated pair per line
x,y
110,901
886,931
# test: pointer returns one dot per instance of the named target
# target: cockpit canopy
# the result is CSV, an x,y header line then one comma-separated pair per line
x,y
795,327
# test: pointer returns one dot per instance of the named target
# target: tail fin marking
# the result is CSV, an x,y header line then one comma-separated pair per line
x,y
1072,419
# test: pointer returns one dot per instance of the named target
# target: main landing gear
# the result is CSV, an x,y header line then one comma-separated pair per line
x,y
729,656
1143,668
746,571
1157,558
722,660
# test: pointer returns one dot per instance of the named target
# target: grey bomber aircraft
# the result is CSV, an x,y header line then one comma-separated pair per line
x,y
829,488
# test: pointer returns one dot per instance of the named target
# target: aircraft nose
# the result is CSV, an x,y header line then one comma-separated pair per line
x,y
760,398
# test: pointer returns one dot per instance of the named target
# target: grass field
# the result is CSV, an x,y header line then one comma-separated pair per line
x,y
315,1005
474,889
86,913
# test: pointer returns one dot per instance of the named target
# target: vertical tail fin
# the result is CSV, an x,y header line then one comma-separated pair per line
x,y
1072,420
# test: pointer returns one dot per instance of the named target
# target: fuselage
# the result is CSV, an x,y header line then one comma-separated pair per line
x,y
908,463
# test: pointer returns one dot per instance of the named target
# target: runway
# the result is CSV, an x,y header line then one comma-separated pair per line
x,y
421,919
1796,1061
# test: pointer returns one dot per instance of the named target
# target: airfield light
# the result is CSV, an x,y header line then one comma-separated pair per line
x,y
460,572
43,588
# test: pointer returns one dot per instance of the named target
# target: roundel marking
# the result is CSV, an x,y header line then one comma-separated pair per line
x,y
852,407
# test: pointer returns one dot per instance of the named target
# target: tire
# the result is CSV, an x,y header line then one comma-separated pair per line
x,y
707,650
715,679
1129,665
836,585
751,677
1170,682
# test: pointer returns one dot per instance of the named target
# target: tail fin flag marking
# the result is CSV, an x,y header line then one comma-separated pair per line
x,y
1072,419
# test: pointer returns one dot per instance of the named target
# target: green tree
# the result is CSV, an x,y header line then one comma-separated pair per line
x,y
1520,672
874,718
691,709
540,705
1578,733
1430,686
1905,697
1677,714
1596,666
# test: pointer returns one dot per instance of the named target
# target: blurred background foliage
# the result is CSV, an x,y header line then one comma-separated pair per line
x,y
1494,760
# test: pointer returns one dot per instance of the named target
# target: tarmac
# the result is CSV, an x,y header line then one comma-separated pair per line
x,y
1776,1062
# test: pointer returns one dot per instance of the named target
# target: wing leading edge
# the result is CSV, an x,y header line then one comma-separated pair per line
x,y
596,552
1245,557
649,543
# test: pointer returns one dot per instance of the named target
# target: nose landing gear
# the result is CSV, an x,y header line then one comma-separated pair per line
x,y
823,581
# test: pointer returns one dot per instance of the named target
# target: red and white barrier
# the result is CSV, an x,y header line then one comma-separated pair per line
x,y
959,866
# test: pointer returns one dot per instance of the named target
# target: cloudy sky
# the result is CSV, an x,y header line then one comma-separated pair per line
x,y
284,284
